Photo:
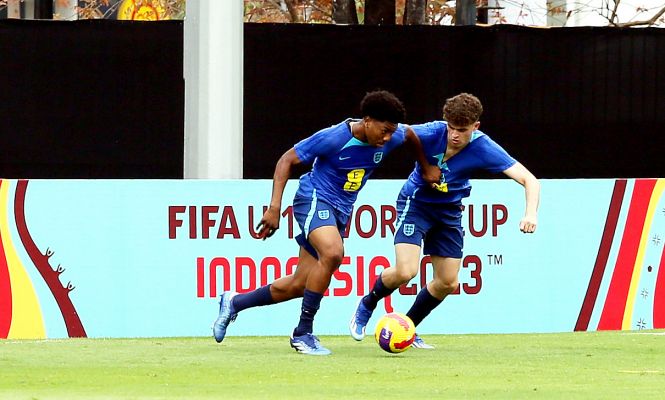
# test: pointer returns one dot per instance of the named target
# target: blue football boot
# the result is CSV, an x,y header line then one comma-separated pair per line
x,y
226,316
359,320
308,344
419,343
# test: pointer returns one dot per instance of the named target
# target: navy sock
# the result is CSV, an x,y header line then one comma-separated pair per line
x,y
378,292
310,305
255,298
423,305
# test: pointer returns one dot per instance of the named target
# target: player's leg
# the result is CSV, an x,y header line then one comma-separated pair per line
x,y
446,276
407,263
282,289
292,286
329,246
445,281
321,227
413,222
444,244
407,260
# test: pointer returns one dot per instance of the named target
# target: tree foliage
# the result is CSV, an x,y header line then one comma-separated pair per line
x,y
294,11
442,12
318,11
136,9
140,9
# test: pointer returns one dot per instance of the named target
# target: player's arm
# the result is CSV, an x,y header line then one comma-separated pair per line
x,y
430,173
524,177
270,221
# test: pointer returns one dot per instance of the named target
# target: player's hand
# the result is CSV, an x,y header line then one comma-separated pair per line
x,y
528,224
269,223
431,173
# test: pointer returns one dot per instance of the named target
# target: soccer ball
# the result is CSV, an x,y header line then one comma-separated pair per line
x,y
395,332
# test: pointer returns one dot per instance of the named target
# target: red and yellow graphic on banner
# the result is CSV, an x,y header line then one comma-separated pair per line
x,y
635,280
20,312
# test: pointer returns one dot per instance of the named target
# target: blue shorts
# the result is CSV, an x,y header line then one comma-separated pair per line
x,y
438,225
312,213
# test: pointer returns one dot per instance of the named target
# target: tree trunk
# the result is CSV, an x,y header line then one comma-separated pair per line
x,y
414,12
293,13
465,13
13,9
344,12
379,12
43,9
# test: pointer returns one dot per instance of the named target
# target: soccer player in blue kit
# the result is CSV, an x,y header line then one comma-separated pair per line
x,y
431,214
343,156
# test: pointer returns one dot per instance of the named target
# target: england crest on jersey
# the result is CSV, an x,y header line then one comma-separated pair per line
x,y
378,156
324,214
409,229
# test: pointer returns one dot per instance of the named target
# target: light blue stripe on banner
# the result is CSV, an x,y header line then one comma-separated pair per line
x,y
310,215
613,255
643,305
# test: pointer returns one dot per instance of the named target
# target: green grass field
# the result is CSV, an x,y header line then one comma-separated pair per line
x,y
597,365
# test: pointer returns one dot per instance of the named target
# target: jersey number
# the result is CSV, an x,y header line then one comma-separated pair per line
x,y
354,180
441,187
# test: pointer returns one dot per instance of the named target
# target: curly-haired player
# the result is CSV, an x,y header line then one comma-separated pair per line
x,y
430,215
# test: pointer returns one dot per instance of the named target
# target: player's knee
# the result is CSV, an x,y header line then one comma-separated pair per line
x,y
295,289
279,292
446,287
332,258
404,275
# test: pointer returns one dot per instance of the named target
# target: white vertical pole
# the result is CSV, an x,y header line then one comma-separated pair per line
x,y
213,64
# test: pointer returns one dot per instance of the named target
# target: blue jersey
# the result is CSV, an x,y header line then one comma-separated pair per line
x,y
482,153
342,164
